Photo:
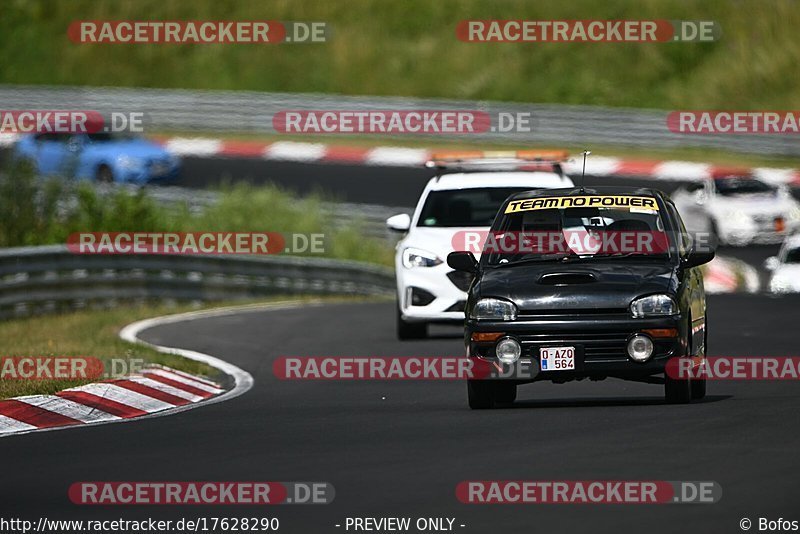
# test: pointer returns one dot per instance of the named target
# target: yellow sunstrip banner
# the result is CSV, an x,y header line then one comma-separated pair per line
x,y
589,201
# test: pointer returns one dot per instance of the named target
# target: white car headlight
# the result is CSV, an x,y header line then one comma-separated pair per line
x,y
737,218
127,162
794,213
494,310
414,257
654,306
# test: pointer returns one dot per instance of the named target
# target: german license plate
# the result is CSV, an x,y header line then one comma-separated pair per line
x,y
557,358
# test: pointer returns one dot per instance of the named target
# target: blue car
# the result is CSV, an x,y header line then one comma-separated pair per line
x,y
104,157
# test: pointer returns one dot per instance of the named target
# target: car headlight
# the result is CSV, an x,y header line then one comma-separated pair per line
x,y
127,162
654,306
794,213
414,257
494,310
737,218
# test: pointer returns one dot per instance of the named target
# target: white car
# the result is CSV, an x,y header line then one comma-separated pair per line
x,y
464,196
738,209
785,267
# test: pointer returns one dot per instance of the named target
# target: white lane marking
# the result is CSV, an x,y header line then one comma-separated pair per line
x,y
180,393
396,156
193,146
125,396
290,150
10,425
193,378
68,408
682,170
189,382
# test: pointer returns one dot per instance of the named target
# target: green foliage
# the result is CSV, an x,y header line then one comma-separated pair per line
x,y
409,48
36,211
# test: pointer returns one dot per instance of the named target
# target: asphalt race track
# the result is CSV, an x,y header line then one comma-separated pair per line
x,y
398,449
391,186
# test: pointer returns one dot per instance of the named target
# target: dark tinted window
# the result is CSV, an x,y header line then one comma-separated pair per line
x,y
464,207
741,186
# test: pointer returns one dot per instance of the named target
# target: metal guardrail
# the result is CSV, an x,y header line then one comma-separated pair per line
x,y
248,111
35,280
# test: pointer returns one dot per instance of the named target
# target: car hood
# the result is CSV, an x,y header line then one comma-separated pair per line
x,y
137,148
563,286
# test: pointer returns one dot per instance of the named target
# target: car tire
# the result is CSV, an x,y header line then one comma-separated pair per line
x,y
699,386
488,394
104,174
406,330
714,231
677,390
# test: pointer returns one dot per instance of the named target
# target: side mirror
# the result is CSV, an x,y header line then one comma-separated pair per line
x,y
462,261
399,223
695,257
771,263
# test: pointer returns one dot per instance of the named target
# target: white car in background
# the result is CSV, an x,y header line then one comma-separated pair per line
x,y
739,209
785,267
464,196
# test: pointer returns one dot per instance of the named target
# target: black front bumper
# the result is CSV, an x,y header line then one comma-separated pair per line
x,y
600,345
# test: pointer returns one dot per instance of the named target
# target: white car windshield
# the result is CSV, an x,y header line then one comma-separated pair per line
x,y
464,207
741,185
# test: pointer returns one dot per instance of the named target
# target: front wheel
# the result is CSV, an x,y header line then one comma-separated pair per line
x,y
406,330
488,394
677,391
104,175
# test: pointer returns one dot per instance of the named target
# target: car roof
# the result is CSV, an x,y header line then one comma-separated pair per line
x,y
595,190
471,180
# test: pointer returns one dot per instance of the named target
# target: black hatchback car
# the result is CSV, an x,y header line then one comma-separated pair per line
x,y
585,283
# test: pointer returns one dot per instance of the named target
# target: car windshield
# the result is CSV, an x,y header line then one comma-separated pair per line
x,y
464,207
792,256
632,227
741,185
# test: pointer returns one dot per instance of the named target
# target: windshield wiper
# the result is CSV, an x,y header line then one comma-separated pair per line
x,y
538,259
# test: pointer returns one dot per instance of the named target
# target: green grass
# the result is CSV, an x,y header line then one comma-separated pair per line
x,y
408,47
84,333
37,211
95,333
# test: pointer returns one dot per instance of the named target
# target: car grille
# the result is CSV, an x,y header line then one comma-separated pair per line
x,y
571,312
460,279
596,345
